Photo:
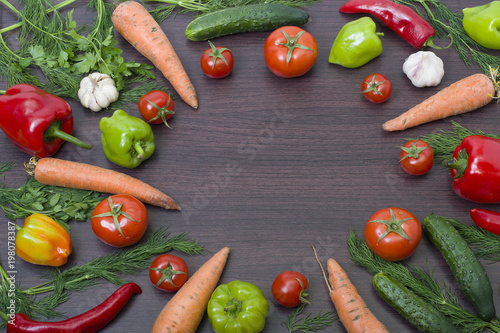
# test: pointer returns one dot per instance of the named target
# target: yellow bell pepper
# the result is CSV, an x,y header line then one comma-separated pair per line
x,y
43,241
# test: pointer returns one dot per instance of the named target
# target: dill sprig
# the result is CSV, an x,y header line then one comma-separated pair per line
x,y
4,167
449,23
110,268
483,243
200,7
422,283
444,142
308,324
64,51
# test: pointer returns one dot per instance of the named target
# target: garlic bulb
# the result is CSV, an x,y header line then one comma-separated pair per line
x,y
424,69
97,91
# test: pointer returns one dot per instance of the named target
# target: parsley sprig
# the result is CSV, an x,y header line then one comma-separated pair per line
x,y
60,203
65,51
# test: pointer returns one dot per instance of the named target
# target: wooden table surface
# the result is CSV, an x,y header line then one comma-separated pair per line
x,y
269,166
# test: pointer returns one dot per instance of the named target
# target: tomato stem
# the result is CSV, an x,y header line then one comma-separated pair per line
x,y
292,43
413,151
167,273
115,211
393,225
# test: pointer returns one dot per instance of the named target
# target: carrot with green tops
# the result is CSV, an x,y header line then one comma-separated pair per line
x,y
185,310
140,29
351,308
57,172
467,94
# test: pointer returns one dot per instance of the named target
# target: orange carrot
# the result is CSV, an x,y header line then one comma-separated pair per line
x,y
139,28
185,310
351,308
466,95
53,171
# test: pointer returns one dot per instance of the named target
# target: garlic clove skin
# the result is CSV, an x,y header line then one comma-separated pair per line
x,y
97,91
424,69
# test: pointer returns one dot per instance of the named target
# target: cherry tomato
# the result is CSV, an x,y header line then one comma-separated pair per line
x,y
376,88
120,220
156,107
393,233
416,157
290,289
290,51
217,62
168,272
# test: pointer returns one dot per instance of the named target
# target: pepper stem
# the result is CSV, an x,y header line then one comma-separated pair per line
x,y
459,164
54,131
233,307
430,43
138,149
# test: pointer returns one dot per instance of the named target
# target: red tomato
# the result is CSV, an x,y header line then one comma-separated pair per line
x,y
123,224
290,289
217,62
416,157
168,272
376,88
393,233
290,51
156,107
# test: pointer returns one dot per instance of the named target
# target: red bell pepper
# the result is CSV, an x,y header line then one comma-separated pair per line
x,y
88,322
486,219
36,121
402,19
475,169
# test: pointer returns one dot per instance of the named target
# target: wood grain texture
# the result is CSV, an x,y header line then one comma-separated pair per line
x,y
268,166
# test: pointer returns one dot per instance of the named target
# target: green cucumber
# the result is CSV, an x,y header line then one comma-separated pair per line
x,y
470,275
415,309
256,17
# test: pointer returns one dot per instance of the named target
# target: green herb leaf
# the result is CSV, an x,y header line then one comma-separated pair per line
x,y
308,324
78,278
421,283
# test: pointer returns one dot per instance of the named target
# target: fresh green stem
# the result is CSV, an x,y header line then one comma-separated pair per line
x,y
10,6
5,2
4,275
138,149
190,5
233,307
4,316
30,211
460,164
54,131
49,285
2,41
49,10
100,10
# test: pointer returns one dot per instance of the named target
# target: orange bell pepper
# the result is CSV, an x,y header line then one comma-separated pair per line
x,y
43,241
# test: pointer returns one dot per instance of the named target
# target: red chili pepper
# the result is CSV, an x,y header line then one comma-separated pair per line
x,y
402,19
88,322
486,219
36,121
475,169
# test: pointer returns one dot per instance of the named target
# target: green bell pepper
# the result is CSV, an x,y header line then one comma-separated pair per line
x,y
126,140
237,307
482,24
356,43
